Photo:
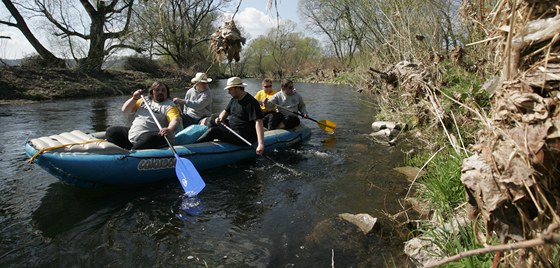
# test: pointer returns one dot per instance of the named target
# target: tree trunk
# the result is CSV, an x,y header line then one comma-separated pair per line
x,y
96,53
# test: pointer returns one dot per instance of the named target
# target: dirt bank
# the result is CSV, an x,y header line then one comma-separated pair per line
x,y
19,83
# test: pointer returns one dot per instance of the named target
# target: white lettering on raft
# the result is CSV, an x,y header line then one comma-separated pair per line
x,y
156,163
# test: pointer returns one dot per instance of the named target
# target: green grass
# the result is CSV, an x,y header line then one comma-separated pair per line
x,y
441,186
464,86
460,238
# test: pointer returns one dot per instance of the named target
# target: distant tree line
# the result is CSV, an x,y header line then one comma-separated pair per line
x,y
177,32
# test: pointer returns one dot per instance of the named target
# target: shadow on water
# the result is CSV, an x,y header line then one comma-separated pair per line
x,y
64,208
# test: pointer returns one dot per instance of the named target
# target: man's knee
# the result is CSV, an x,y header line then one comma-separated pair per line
x,y
291,122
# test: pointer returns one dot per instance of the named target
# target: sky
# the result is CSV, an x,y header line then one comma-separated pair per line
x,y
256,19
253,16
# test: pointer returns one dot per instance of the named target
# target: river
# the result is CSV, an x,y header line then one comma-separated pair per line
x,y
253,214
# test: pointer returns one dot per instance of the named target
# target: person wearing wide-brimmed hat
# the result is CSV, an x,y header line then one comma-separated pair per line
x,y
197,104
243,114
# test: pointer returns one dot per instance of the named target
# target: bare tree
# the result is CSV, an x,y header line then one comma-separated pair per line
x,y
392,29
20,23
108,20
178,29
101,25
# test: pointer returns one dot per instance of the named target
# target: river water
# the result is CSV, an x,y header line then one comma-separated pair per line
x,y
252,214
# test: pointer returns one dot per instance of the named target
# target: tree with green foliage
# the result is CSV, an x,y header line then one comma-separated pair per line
x,y
258,56
281,53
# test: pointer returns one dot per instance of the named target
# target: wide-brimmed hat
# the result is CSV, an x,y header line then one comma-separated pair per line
x,y
201,77
234,82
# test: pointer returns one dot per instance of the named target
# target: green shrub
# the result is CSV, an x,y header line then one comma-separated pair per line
x,y
463,85
37,62
142,64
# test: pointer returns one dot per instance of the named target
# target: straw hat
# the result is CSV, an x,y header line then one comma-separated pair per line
x,y
201,77
234,82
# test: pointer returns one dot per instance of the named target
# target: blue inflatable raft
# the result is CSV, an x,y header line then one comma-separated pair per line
x,y
88,161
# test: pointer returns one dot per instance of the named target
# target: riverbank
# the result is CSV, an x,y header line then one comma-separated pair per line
x,y
24,84
20,83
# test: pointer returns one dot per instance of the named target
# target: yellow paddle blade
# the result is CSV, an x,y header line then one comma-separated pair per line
x,y
328,126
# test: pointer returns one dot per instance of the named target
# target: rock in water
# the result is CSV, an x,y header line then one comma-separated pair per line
x,y
364,221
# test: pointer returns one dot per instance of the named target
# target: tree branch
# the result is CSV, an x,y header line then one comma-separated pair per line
x,y
545,238
114,35
64,30
11,24
135,48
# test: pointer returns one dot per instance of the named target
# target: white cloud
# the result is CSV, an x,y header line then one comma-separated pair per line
x,y
253,22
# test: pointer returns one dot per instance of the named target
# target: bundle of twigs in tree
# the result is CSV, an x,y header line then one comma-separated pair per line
x,y
226,42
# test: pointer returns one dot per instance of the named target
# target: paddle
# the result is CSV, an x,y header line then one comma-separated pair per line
x,y
187,174
248,143
326,125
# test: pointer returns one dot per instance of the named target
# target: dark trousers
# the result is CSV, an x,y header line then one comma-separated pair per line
x,y
119,136
272,120
189,120
221,133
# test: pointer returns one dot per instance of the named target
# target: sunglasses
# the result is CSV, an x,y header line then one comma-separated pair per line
x,y
267,86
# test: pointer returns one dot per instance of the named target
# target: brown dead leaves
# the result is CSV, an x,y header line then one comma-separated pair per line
x,y
512,181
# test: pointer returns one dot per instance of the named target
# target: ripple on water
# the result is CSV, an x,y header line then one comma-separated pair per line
x,y
253,213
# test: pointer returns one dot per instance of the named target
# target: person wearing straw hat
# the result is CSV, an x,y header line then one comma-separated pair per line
x,y
197,104
243,114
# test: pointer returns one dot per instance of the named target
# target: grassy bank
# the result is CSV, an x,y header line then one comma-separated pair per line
x,y
441,110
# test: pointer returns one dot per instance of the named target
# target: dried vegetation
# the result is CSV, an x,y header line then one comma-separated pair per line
x,y
513,180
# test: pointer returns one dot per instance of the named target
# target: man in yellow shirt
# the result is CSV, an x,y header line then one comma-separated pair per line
x,y
263,95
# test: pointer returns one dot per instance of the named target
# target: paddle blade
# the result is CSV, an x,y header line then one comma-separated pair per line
x,y
328,126
188,176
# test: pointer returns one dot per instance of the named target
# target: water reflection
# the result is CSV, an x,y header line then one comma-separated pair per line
x,y
236,194
99,115
330,141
